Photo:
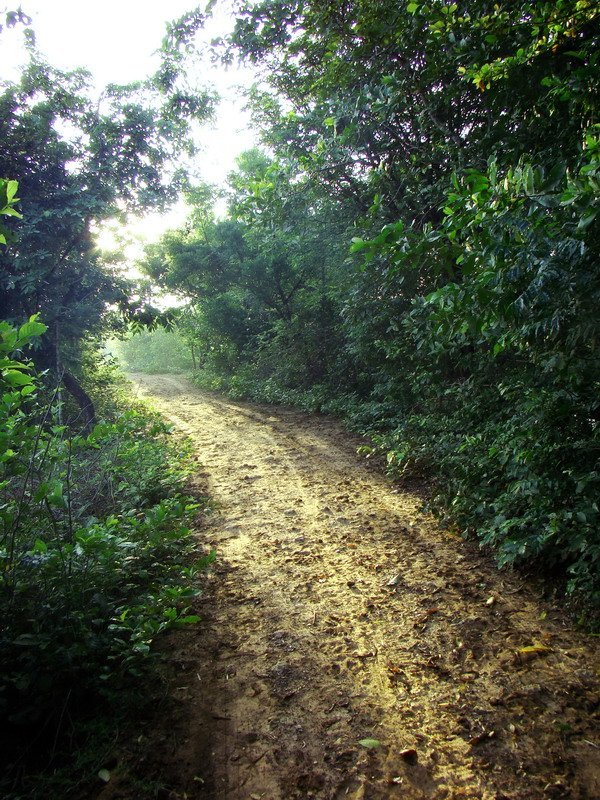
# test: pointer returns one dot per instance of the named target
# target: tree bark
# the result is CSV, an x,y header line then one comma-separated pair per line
x,y
48,358
82,398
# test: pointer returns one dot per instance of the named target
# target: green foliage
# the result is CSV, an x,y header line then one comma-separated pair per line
x,y
97,558
264,282
507,369
460,140
10,18
8,200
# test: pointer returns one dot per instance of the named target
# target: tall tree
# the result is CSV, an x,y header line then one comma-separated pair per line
x,y
267,277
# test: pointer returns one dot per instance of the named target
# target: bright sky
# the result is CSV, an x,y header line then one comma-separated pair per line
x,y
115,40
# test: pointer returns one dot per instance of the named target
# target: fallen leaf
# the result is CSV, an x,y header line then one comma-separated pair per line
x,y
104,775
422,620
370,744
529,653
410,755
482,737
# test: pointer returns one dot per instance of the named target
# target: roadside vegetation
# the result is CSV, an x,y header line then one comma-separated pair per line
x,y
97,558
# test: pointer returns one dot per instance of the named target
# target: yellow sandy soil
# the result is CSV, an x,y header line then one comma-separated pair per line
x,y
336,613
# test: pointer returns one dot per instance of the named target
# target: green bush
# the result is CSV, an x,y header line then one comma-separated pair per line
x,y
502,364
96,556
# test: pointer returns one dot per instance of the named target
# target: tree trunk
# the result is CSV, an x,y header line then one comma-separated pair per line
x,y
48,358
82,398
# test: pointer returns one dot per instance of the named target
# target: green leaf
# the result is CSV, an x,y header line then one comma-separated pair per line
x,y
32,328
104,775
10,212
370,744
16,378
52,491
357,244
41,492
11,191
587,220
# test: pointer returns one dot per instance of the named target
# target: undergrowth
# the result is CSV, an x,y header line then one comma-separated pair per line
x,y
97,559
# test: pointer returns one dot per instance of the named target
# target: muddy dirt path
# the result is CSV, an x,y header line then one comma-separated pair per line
x,y
337,613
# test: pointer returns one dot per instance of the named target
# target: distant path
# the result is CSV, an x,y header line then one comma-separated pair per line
x,y
337,613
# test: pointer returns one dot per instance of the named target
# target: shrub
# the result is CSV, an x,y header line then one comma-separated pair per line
x,y
96,556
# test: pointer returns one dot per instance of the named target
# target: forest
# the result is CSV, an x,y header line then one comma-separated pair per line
x,y
411,249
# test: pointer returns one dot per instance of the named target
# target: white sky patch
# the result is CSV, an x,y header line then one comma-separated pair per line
x,y
117,40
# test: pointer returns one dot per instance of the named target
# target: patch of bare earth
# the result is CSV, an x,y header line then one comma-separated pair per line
x,y
337,613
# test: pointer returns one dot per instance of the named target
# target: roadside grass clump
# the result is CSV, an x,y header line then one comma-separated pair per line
x,y
96,560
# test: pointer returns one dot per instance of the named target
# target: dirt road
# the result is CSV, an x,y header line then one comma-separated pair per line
x,y
338,614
